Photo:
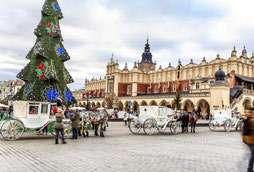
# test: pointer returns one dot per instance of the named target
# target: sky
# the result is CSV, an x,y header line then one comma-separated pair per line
x,y
94,29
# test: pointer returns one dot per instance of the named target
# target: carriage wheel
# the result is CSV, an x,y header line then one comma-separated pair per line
x,y
12,129
150,126
135,127
227,125
212,126
174,127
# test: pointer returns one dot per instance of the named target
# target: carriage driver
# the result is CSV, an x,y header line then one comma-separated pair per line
x,y
59,128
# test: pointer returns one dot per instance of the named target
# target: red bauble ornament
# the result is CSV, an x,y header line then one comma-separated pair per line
x,y
42,77
41,66
49,24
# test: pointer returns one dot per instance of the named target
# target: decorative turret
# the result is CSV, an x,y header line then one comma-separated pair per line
x,y
203,60
112,65
252,58
160,67
135,65
234,52
169,64
191,61
220,75
244,53
126,67
217,56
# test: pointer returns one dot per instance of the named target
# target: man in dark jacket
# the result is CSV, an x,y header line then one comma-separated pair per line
x,y
75,120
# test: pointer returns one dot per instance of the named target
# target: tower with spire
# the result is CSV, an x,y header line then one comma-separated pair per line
x,y
147,63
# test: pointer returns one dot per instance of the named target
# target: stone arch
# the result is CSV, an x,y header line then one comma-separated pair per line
x,y
126,106
103,104
169,105
84,104
143,103
163,103
247,103
109,102
173,105
188,105
135,106
203,108
98,105
153,103
88,106
120,106
93,105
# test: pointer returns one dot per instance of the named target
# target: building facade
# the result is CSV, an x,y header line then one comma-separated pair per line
x,y
9,88
143,84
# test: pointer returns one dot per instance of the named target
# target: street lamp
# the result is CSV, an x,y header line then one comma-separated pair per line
x,y
87,100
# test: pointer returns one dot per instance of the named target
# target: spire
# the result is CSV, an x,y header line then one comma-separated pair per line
x,y
112,58
234,52
147,55
244,53
125,66
135,65
203,60
179,62
147,46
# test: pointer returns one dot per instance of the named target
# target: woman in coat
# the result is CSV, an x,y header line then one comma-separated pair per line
x,y
59,127
75,122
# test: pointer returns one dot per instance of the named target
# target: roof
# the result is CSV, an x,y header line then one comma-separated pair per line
x,y
245,78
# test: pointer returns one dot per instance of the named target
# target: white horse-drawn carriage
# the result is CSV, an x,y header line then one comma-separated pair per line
x,y
155,119
29,116
227,118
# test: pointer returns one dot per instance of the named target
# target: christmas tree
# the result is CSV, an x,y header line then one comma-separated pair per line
x,y
45,76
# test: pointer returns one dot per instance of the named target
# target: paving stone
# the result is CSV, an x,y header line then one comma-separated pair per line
x,y
121,151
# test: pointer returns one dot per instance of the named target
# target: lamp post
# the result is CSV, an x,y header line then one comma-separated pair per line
x,y
87,100
178,91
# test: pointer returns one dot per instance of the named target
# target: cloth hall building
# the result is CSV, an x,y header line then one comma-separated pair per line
x,y
221,82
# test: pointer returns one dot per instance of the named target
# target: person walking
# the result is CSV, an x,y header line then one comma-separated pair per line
x,y
248,135
75,120
59,128
125,118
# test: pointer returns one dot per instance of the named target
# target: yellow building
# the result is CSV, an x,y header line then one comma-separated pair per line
x,y
143,84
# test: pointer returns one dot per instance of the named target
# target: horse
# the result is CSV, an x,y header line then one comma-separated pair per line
x,y
185,121
193,118
100,121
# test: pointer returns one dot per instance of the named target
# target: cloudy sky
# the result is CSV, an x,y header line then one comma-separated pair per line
x,y
94,29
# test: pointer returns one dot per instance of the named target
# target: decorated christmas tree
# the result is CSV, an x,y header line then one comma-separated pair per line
x,y
45,76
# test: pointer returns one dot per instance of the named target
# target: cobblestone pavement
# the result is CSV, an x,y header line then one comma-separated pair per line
x,y
119,151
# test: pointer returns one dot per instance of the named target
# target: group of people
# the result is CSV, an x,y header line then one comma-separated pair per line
x,y
80,125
